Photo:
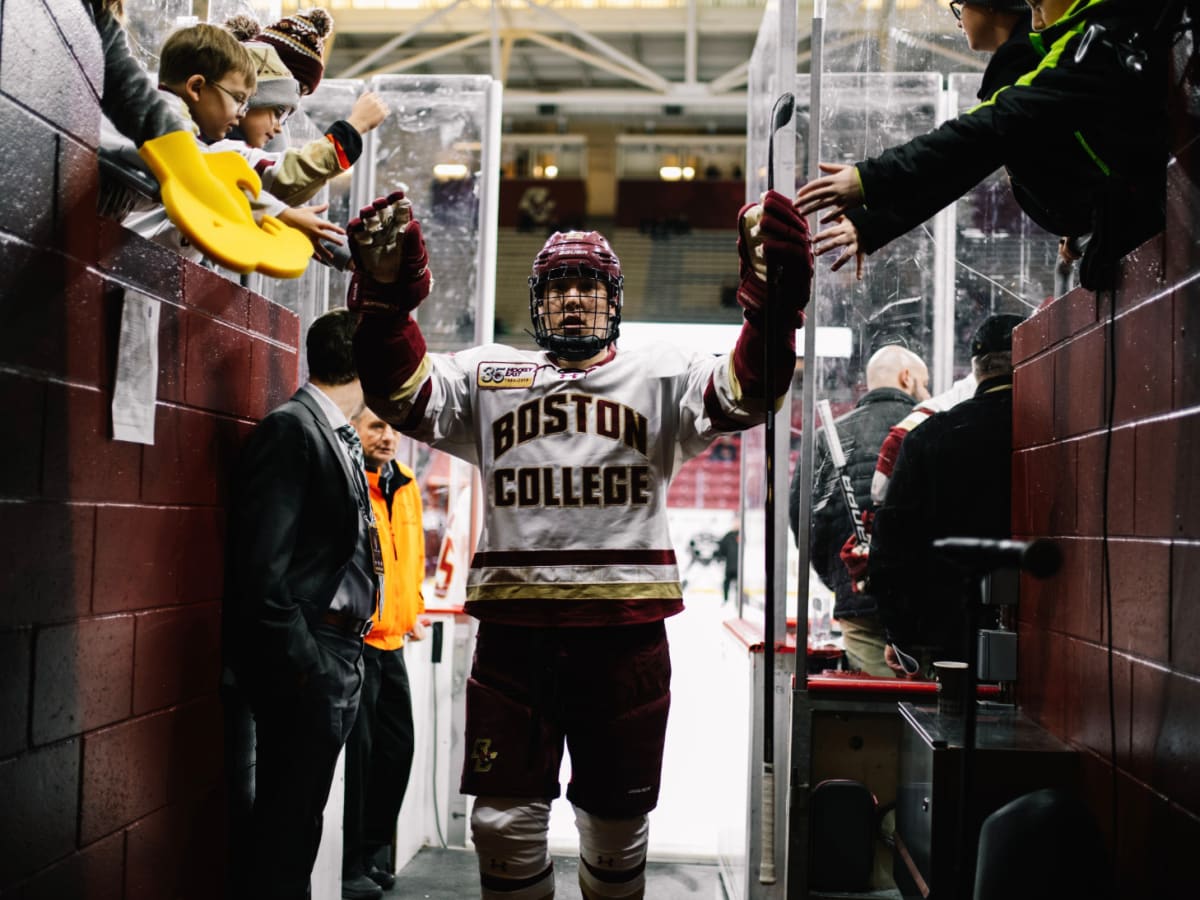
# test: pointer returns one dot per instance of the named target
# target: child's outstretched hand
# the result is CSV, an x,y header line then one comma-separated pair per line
x,y
307,220
368,111
839,190
841,233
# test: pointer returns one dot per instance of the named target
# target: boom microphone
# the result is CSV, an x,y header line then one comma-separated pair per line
x,y
1040,558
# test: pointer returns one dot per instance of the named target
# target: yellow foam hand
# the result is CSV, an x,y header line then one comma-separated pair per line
x,y
204,197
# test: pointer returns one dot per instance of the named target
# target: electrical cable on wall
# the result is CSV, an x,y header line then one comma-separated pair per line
x,y
1110,386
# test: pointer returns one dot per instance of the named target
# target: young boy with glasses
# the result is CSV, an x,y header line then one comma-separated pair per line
x,y
212,76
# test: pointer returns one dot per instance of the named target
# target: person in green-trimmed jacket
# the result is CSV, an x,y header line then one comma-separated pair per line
x,y
1082,135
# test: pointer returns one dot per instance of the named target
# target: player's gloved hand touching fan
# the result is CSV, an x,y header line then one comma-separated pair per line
x,y
773,232
391,265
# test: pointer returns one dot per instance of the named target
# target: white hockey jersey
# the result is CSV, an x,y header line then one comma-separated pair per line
x,y
575,466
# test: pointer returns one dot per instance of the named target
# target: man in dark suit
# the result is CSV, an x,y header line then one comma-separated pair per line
x,y
301,586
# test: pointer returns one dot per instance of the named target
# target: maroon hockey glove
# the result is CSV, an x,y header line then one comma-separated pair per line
x,y
391,265
773,231
856,557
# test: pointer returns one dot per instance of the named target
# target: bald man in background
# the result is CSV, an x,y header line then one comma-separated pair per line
x,y
896,379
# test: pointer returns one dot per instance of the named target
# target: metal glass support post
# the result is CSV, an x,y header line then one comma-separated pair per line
x,y
489,215
799,793
944,228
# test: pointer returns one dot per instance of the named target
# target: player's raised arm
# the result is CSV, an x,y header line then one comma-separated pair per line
x,y
770,233
391,278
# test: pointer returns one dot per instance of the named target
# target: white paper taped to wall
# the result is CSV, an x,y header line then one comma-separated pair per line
x,y
136,387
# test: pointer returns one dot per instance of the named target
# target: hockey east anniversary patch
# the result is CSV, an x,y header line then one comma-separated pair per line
x,y
501,375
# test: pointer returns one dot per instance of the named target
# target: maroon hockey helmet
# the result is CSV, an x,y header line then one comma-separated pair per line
x,y
576,254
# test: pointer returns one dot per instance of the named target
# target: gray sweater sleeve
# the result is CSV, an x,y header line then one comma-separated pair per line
x,y
131,99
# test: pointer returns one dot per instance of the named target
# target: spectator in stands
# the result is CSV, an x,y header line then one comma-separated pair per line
x,y
295,174
130,98
210,77
999,27
1082,134
379,751
953,478
896,378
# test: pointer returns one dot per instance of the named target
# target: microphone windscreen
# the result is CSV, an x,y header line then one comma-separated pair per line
x,y
1042,558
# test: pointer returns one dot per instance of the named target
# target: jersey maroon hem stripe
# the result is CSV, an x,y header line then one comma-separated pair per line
x,y
515,558
572,613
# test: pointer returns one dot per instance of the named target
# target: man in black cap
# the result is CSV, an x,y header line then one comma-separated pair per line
x,y
953,477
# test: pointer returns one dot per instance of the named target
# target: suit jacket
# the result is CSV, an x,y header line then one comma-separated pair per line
x,y
293,524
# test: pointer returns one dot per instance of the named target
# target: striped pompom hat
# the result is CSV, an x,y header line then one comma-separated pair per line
x,y
300,40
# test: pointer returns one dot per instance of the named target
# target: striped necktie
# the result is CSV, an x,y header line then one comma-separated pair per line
x,y
350,438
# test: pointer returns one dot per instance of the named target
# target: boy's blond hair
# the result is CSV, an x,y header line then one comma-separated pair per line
x,y
204,50
116,8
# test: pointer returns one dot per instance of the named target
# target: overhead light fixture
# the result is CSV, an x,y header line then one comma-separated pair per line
x,y
449,171
551,171
670,173
688,173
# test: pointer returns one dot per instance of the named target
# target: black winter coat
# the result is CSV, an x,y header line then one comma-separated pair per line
x,y
1083,139
953,478
861,432
877,226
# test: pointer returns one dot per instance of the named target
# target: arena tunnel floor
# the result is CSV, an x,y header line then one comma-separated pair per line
x,y
437,874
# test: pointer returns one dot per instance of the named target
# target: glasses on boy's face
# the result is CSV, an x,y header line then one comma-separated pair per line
x,y
956,8
242,101
280,113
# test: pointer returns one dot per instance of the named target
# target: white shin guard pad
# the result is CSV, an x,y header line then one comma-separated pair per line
x,y
612,854
510,841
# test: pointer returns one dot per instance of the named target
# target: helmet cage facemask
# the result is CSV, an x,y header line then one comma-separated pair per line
x,y
605,327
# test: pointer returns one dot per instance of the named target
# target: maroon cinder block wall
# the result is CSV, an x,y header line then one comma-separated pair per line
x,y
1061,435
110,553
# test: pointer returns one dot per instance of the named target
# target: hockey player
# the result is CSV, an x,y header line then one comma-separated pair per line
x,y
575,571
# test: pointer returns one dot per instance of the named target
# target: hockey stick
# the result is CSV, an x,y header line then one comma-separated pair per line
x,y
780,116
838,458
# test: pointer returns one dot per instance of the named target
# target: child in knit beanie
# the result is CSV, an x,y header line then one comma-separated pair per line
x,y
277,96
298,173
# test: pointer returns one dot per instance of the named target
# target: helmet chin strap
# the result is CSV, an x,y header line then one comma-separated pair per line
x,y
575,349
